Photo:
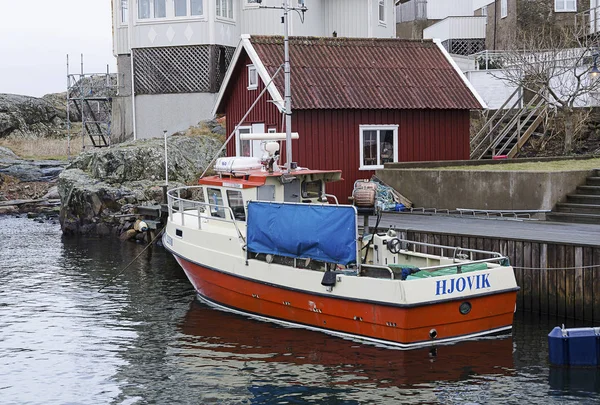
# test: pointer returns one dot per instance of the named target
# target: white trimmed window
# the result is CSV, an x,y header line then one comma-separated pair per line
x,y
252,78
565,5
252,3
148,9
188,8
381,11
224,9
124,12
503,8
378,145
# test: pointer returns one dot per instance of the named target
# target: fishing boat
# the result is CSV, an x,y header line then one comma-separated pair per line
x,y
267,241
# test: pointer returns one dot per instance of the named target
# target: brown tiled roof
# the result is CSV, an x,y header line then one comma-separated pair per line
x,y
358,73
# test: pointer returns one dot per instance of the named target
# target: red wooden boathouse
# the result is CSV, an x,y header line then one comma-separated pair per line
x,y
357,103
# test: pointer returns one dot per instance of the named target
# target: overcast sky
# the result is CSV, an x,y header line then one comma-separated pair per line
x,y
36,36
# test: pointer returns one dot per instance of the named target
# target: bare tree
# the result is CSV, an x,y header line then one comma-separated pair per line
x,y
556,65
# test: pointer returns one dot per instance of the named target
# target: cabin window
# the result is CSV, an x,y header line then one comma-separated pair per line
x,y
382,11
378,145
565,5
224,9
152,9
215,199
503,8
124,11
236,203
252,78
311,189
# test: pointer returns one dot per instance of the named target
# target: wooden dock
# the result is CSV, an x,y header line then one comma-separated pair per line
x,y
557,265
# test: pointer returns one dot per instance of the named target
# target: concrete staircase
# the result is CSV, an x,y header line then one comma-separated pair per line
x,y
581,207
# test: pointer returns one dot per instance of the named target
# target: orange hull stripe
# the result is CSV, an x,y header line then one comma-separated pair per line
x,y
396,324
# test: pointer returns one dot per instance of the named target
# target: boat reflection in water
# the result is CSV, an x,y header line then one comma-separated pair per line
x,y
307,357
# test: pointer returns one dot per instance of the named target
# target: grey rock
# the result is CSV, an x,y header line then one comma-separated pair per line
x,y
100,183
27,117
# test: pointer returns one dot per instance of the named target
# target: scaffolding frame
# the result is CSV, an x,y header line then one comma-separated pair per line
x,y
90,94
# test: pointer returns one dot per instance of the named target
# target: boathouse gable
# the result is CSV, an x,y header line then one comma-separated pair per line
x,y
351,116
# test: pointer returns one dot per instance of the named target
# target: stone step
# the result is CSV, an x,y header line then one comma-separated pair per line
x,y
593,181
578,208
573,218
588,190
583,199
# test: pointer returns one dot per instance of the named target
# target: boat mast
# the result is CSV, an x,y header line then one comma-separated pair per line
x,y
301,9
288,90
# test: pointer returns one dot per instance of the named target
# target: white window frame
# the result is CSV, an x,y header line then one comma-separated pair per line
x,y
503,8
381,11
561,6
229,7
189,11
151,16
238,141
252,73
378,128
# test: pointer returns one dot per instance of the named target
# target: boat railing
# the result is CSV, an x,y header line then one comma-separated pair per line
x,y
195,208
460,256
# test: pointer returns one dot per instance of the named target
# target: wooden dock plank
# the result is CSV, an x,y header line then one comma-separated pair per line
x,y
552,279
535,277
578,312
570,282
596,282
527,285
519,273
544,278
588,284
560,282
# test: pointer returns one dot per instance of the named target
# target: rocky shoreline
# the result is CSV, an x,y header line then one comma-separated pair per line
x,y
29,187
104,192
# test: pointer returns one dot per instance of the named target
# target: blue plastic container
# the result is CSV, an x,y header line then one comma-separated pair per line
x,y
574,346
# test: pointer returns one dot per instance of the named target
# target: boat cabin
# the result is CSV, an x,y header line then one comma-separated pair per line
x,y
242,179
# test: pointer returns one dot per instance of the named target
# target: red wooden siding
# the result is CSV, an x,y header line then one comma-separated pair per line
x,y
329,139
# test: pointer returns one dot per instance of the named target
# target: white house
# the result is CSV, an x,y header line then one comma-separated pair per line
x,y
173,54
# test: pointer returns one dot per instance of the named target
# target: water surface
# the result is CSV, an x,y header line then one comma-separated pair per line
x,y
147,340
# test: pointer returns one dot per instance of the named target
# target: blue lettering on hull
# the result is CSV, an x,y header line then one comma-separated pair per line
x,y
463,283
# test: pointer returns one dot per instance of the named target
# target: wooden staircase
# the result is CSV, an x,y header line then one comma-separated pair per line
x,y
505,133
581,207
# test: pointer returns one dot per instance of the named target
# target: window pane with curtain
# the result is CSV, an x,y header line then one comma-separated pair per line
x,y
160,8
230,9
245,146
180,8
218,5
369,148
143,9
382,10
197,7
386,146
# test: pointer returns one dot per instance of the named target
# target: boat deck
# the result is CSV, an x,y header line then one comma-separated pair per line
x,y
540,231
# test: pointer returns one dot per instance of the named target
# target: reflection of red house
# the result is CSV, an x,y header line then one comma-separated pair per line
x,y
357,103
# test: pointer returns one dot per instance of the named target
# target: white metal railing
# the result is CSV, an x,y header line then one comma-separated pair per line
x,y
195,209
459,257
516,214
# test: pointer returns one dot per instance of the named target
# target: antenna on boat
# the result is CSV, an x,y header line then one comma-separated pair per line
x,y
301,8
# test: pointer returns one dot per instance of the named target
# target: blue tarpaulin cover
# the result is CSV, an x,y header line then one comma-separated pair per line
x,y
320,232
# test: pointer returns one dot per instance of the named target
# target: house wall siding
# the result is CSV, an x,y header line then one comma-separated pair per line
x,y
329,139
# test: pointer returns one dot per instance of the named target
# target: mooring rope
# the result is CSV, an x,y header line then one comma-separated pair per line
x,y
558,268
131,262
